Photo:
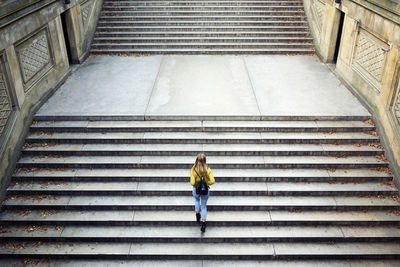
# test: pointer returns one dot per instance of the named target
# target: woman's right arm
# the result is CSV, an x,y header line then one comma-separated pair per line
x,y
192,177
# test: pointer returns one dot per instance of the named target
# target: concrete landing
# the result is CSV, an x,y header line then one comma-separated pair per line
x,y
203,85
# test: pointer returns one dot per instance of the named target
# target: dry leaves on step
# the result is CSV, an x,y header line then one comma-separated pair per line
x,y
338,156
24,212
395,198
3,229
37,244
55,156
370,122
381,157
390,183
296,211
381,169
43,133
374,133
28,170
395,212
329,169
50,122
48,183
20,245
44,144
328,243
41,197
45,213
377,145
33,228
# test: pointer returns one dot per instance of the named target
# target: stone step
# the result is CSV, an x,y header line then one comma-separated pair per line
x,y
202,6
201,51
204,17
36,149
223,175
184,189
205,26
221,189
124,10
123,4
209,251
203,138
209,40
201,12
203,45
216,234
207,126
197,118
201,34
204,263
219,203
186,218
150,2
214,162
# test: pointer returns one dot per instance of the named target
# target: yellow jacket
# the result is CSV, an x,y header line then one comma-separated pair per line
x,y
194,178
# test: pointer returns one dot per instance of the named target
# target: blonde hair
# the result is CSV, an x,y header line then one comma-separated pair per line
x,y
201,164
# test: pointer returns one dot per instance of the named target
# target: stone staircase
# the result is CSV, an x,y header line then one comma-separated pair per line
x,y
288,191
202,27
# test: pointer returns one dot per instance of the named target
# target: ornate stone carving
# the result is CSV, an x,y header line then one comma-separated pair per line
x,y
369,57
34,55
396,106
5,105
318,10
86,8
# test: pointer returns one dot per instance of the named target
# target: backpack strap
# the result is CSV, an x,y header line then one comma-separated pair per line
x,y
196,172
199,174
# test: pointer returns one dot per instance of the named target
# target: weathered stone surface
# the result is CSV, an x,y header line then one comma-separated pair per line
x,y
369,43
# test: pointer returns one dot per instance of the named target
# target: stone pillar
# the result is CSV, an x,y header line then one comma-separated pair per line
x,y
72,17
329,33
15,77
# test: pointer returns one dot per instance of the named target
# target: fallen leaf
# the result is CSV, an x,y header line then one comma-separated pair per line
x,y
374,133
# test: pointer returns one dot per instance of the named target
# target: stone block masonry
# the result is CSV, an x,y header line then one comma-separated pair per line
x,y
35,57
363,38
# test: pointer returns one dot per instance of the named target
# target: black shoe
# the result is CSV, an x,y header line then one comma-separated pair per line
x,y
203,227
198,217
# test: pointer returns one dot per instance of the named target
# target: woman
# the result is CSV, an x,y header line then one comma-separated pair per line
x,y
200,169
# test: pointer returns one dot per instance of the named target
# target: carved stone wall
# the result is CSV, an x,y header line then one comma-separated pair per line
x,y
5,102
86,9
34,56
318,8
36,59
396,105
369,58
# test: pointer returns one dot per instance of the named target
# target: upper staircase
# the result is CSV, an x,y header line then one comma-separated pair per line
x,y
202,27
288,191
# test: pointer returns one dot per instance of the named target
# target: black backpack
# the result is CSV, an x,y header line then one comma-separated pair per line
x,y
201,187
